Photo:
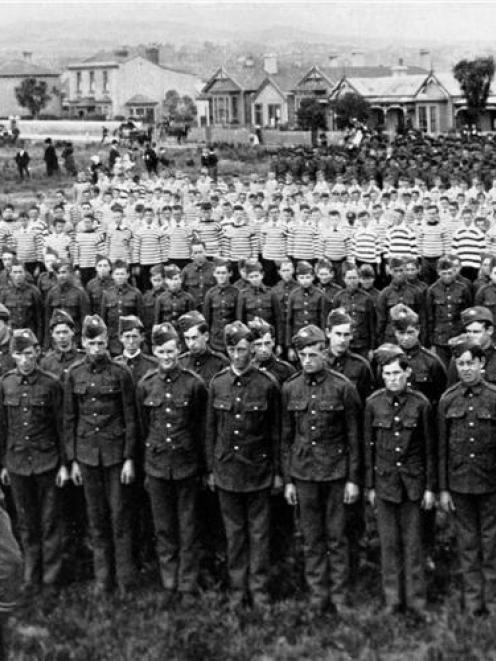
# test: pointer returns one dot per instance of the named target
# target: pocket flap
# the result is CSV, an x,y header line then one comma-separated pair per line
x,y
383,423
455,413
39,401
10,400
152,401
222,404
80,388
109,390
330,406
256,406
297,405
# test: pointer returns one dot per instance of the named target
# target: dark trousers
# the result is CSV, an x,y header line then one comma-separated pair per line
x,y
246,519
174,511
86,274
11,566
143,280
475,525
469,272
39,524
109,504
429,269
23,171
444,353
180,263
402,561
322,522
271,273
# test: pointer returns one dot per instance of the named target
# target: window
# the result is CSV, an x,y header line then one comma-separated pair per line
x,y
235,108
140,112
221,109
274,110
428,118
258,114
78,82
92,82
105,81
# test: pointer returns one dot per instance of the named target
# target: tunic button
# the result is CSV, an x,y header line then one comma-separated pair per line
x,y
396,419
236,432
398,449
168,395
93,399
314,443
97,428
167,410
167,440
25,410
472,456
313,412
312,428
396,404
314,396
396,433
398,463
236,447
237,416
470,424
471,440
168,424
25,424
470,408
238,399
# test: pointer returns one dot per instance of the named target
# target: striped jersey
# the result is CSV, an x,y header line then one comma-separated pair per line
x,y
468,243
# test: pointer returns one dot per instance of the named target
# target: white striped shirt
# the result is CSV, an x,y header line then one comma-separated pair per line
x,y
400,242
433,240
469,243
148,245
366,246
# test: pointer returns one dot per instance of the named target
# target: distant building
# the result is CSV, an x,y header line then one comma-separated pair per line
x,y
13,72
123,83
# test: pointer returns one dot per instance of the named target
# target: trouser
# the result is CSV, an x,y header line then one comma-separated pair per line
x,y
39,524
74,518
337,266
271,274
402,561
174,511
246,519
11,566
429,269
322,521
23,170
475,525
143,280
470,272
86,274
443,352
109,504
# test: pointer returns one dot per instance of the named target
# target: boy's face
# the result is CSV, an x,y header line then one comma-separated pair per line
x,y
196,342
447,276
339,338
367,283
198,254
263,347
64,275
324,275
305,280
395,377
18,275
351,280
407,338
62,335
131,340
26,360
411,271
174,283
255,278
157,281
103,268
469,368
239,354
120,276
398,274
221,275
95,347
286,271
167,354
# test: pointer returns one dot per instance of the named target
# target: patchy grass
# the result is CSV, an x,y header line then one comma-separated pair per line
x,y
74,626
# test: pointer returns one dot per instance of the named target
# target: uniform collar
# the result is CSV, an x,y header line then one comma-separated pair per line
x,y
414,351
472,390
65,354
241,377
333,359
27,378
315,378
100,365
172,374
201,357
399,397
131,358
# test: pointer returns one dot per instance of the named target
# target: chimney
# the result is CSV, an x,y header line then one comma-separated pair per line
x,y
399,69
27,55
357,58
152,53
270,64
425,59
249,61
122,52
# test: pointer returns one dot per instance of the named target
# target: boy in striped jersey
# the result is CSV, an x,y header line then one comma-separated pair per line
x,y
334,242
208,231
274,244
28,241
469,242
148,248
433,243
400,240
88,243
365,243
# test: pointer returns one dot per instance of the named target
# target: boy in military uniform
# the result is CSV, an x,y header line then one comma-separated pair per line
x,y
100,436
32,456
263,354
220,305
478,324
199,357
171,407
467,472
242,455
132,337
400,470
64,352
321,461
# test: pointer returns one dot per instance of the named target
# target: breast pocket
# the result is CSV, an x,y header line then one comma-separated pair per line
x,y
109,390
222,404
80,388
255,416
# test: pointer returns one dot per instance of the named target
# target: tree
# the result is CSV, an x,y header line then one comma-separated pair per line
x,y
33,95
311,115
474,77
179,108
348,107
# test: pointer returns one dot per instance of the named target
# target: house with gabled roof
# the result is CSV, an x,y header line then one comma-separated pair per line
x,y
127,83
13,72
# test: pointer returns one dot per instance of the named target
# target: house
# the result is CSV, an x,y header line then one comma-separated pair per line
x,y
13,72
246,93
125,83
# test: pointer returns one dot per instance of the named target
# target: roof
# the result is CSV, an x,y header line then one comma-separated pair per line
x,y
140,100
336,72
13,68
404,85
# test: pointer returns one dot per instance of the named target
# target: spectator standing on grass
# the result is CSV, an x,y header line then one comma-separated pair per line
x,y
22,161
68,158
50,158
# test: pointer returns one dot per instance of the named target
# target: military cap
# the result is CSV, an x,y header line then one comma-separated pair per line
x,y
22,338
338,317
366,271
259,327
100,258
61,317
206,206
171,270
253,267
303,268
61,219
190,320
307,336
444,263
402,316
117,207
388,352
396,262
461,343
62,263
129,322
477,313
162,333
235,332
4,313
93,326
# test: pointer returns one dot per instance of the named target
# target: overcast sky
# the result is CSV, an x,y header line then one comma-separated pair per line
x,y
412,21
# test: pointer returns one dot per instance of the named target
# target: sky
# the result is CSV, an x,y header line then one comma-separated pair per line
x,y
435,21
